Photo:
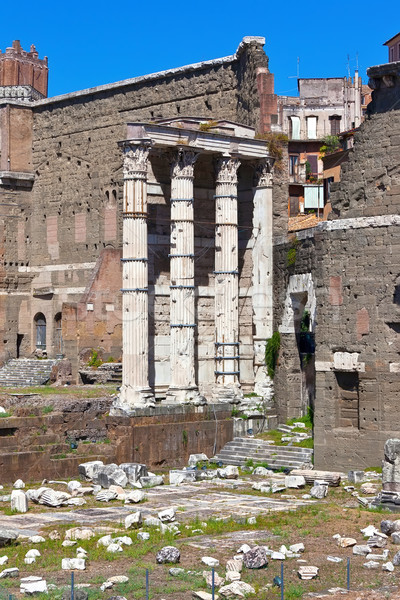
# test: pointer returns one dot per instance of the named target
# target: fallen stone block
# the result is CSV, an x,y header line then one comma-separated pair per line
x,y
33,585
110,475
134,471
152,481
134,520
210,561
228,472
7,536
167,515
295,481
332,477
168,554
89,469
355,476
70,564
179,476
79,533
194,459
308,572
204,596
13,572
19,501
237,589
256,558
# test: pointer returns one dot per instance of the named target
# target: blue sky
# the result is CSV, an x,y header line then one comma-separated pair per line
x,y
93,43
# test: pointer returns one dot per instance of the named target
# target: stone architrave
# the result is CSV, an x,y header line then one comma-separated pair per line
x,y
262,292
135,390
183,386
226,281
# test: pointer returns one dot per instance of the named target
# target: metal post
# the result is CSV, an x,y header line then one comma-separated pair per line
x,y
147,584
212,584
348,574
282,582
72,585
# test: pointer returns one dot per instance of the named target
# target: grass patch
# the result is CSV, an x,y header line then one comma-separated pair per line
x,y
5,415
46,410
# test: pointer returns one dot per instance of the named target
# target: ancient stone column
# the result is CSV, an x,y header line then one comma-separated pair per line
x,y
135,390
262,292
226,281
183,386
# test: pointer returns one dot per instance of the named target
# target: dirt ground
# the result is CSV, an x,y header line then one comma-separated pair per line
x,y
281,519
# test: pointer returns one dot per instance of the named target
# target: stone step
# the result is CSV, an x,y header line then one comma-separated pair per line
x,y
26,372
240,450
254,444
298,459
271,450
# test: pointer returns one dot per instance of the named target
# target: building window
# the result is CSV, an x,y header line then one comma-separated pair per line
x,y
293,162
40,323
294,128
312,128
348,399
391,54
335,124
58,341
313,162
398,51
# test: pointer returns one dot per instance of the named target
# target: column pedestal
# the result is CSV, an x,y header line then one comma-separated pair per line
x,y
183,388
135,390
227,354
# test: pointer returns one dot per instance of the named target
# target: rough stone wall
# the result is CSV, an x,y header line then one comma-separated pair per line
x,y
38,444
370,179
289,381
354,263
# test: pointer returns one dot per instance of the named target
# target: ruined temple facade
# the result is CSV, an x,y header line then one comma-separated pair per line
x,y
68,267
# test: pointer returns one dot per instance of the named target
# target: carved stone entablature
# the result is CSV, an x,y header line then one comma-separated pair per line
x,y
182,163
263,173
226,169
135,160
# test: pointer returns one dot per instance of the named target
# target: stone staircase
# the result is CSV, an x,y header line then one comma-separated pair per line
x,y
241,449
19,372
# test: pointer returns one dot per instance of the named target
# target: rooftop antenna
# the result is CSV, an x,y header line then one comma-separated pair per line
x,y
298,70
356,61
348,65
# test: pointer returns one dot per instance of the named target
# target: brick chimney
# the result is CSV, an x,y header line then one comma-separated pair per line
x,y
19,67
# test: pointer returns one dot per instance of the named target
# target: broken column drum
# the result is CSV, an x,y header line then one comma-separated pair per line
x,y
135,389
182,291
226,280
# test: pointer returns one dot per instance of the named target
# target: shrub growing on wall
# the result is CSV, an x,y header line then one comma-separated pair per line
x,y
271,353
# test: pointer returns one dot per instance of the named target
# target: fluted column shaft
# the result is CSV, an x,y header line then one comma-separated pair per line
x,y
135,390
182,296
262,296
226,276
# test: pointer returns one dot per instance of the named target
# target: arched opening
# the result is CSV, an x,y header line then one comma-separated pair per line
x,y
40,323
58,341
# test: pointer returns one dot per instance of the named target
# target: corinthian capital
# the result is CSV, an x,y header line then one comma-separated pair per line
x,y
226,169
135,160
263,173
182,163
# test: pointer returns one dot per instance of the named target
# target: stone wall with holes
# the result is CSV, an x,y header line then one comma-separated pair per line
x,y
67,234
354,261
